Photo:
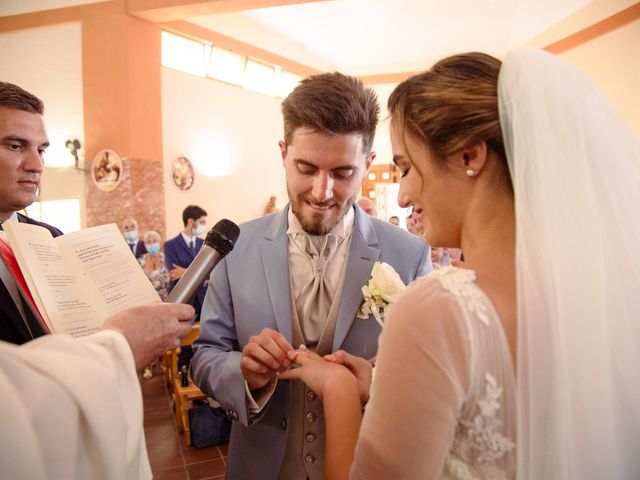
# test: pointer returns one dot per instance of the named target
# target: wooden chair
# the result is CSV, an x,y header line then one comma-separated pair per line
x,y
166,368
183,396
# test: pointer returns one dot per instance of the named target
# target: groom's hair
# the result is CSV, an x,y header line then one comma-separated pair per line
x,y
332,103
452,106
12,96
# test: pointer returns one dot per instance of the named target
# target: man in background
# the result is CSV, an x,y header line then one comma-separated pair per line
x,y
369,206
296,277
23,141
394,220
131,235
180,251
413,226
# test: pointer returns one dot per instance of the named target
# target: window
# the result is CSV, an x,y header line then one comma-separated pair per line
x,y
204,60
226,65
260,77
63,214
288,82
184,54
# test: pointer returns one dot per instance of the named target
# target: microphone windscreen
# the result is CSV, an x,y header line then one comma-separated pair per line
x,y
222,237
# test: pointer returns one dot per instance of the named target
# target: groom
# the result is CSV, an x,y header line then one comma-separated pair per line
x,y
296,277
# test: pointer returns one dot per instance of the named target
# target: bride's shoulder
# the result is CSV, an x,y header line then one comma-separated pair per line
x,y
454,280
430,309
450,288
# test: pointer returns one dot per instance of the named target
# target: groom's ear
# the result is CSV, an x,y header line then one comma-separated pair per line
x,y
471,160
283,149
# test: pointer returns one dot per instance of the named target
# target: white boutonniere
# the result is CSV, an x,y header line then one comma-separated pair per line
x,y
383,288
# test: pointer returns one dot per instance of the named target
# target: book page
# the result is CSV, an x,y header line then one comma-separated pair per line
x,y
55,287
107,266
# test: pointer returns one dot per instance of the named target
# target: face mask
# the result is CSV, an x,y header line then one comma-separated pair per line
x,y
131,236
199,229
153,248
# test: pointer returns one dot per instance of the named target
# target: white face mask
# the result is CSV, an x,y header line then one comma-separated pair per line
x,y
199,229
131,236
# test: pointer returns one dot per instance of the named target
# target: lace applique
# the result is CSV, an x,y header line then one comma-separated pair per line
x,y
474,454
461,282
484,431
480,450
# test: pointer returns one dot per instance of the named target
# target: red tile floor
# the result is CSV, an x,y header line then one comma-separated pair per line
x,y
169,455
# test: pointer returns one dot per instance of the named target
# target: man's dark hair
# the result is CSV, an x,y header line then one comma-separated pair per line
x,y
194,212
332,103
12,96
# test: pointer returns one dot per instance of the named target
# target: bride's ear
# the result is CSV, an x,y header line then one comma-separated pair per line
x,y
471,160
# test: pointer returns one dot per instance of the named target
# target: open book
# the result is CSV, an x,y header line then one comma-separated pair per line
x,y
79,279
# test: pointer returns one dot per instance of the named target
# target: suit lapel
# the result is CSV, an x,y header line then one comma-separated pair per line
x,y
274,249
363,253
186,251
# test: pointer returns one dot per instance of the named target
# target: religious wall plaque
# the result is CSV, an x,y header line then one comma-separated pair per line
x,y
107,170
183,174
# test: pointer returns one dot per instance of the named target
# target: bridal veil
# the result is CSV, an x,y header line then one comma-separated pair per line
x,y
575,169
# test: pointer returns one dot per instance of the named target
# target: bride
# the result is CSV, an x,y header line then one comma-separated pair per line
x,y
509,162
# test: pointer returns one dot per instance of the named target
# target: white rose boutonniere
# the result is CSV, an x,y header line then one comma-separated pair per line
x,y
383,288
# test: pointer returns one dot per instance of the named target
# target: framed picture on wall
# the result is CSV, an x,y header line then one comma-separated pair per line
x,y
106,170
183,174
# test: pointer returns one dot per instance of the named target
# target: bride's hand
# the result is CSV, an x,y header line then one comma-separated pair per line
x,y
359,367
318,374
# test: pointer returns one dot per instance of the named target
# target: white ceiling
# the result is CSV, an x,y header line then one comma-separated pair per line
x,y
366,37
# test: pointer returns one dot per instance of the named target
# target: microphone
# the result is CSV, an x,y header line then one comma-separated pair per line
x,y
218,243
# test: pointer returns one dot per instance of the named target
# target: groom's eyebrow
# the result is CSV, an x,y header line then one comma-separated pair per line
x,y
396,159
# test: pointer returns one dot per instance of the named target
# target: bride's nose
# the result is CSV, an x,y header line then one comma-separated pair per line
x,y
403,199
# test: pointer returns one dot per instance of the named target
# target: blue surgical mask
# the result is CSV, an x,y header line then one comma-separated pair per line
x,y
153,248
131,236
199,229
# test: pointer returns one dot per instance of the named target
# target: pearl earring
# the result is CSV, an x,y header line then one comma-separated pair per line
x,y
470,172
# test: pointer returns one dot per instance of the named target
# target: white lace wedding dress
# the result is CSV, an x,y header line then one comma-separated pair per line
x,y
443,401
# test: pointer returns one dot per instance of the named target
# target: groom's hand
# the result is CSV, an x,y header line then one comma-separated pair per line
x,y
264,356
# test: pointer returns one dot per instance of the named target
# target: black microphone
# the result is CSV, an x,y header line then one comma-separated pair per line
x,y
218,243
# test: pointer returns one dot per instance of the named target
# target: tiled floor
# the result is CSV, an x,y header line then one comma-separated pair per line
x,y
170,457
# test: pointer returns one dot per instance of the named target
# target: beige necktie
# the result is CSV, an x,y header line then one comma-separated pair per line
x,y
316,295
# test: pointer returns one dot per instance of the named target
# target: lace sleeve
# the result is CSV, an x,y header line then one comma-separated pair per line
x,y
421,379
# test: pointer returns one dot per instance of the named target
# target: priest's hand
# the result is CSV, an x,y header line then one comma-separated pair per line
x,y
152,329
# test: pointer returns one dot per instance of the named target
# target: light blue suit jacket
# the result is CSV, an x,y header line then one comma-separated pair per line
x,y
249,291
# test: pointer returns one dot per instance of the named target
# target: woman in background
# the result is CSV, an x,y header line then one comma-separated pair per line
x,y
507,162
153,265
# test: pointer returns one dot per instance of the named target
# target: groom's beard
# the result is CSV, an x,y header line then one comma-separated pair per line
x,y
322,221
